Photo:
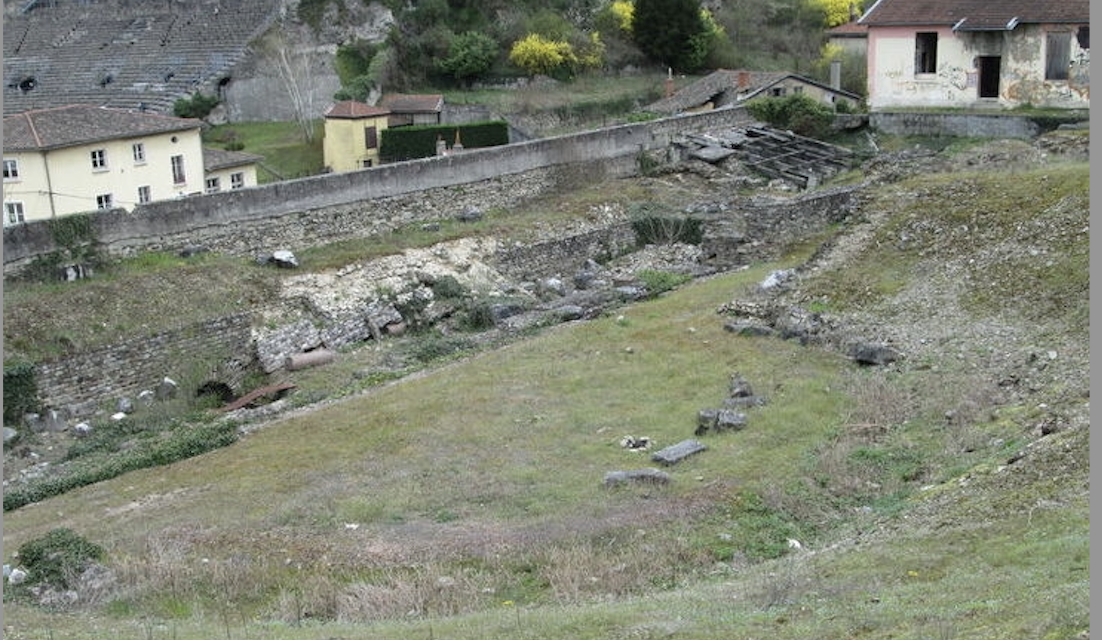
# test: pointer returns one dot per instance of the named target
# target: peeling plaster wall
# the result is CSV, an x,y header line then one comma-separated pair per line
x,y
893,82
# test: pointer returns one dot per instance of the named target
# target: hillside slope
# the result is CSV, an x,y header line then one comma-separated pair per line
x,y
944,494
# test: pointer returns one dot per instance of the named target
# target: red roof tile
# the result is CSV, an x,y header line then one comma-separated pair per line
x,y
849,30
71,125
355,109
413,103
976,14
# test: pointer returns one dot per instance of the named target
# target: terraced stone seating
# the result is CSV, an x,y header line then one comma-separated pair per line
x,y
124,53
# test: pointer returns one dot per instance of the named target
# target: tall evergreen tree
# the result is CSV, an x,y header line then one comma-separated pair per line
x,y
667,32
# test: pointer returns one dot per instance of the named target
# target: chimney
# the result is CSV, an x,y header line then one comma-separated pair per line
x,y
743,79
835,74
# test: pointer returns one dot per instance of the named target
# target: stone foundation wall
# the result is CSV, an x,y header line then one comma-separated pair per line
x,y
220,349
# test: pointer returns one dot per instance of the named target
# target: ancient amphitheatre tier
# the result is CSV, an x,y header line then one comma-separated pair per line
x,y
131,54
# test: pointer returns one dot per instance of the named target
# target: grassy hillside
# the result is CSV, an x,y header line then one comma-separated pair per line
x,y
943,496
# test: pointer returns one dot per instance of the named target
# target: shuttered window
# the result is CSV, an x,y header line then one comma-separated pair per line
x,y
1057,55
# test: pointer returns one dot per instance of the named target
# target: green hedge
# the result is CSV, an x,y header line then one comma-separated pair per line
x,y
419,141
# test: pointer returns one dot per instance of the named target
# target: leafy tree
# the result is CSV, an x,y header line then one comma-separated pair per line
x,y
197,106
538,55
359,88
470,56
591,52
669,31
624,13
354,60
854,71
836,12
550,25
707,41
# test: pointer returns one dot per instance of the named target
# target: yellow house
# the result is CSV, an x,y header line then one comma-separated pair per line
x,y
79,158
352,134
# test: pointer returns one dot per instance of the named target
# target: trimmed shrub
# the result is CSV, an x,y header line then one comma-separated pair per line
x,y
408,143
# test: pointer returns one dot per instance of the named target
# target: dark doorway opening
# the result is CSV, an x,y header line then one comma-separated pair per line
x,y
990,69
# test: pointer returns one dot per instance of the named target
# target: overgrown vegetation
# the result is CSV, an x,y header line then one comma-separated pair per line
x,y
488,471
199,105
656,223
799,113
20,391
57,559
101,459
443,44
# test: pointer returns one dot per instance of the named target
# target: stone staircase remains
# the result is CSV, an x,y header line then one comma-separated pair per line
x,y
776,153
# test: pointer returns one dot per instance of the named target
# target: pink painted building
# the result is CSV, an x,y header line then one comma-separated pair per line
x,y
979,54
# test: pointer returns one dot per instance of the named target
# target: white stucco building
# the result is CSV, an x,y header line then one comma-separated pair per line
x,y
978,54
81,158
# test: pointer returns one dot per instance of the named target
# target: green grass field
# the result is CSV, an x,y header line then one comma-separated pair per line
x,y
466,501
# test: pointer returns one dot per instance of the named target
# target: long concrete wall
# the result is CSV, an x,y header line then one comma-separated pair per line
x,y
336,206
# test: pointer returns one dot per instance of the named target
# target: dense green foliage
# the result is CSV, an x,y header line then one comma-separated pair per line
x,y
470,56
409,143
669,33
58,558
20,391
421,48
798,113
199,105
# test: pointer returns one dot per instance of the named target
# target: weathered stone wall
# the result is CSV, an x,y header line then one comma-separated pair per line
x,y
563,256
760,228
223,349
982,125
220,349
310,211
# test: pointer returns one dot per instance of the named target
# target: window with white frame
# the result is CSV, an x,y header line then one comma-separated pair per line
x,y
144,195
214,185
237,180
178,176
104,201
99,159
13,213
139,152
11,169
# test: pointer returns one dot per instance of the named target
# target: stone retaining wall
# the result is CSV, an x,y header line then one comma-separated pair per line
x,y
310,211
220,349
